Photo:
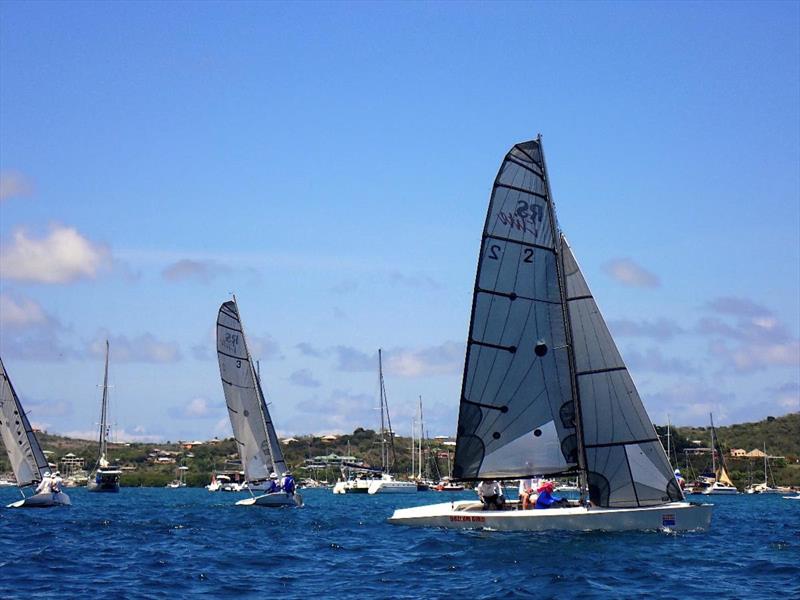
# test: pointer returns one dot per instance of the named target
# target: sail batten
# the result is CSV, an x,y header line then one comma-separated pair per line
x,y
253,430
24,452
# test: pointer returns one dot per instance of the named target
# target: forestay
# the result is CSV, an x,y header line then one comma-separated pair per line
x,y
516,415
253,430
625,463
24,452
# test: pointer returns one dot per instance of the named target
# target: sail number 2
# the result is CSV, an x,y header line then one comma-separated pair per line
x,y
527,253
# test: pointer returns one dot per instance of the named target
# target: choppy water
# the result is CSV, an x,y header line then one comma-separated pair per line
x,y
159,543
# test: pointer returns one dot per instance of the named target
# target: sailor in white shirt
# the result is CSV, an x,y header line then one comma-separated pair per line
x,y
45,485
491,494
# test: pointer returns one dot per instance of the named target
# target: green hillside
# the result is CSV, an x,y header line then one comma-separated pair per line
x,y
781,434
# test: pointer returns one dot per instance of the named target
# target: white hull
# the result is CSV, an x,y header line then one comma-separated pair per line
x,y
353,486
719,490
384,486
42,501
274,500
675,516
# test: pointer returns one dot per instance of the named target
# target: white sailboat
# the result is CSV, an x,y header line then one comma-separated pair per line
x,y
180,482
105,477
545,391
387,484
764,488
24,452
253,430
721,485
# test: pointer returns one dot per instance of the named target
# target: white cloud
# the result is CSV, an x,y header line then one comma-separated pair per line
x,y
197,408
188,269
442,359
304,378
143,348
661,329
19,313
627,272
62,256
14,184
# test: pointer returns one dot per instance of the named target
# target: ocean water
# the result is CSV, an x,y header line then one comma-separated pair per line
x,y
161,543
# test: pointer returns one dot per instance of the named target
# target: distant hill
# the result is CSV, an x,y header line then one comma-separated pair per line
x,y
781,434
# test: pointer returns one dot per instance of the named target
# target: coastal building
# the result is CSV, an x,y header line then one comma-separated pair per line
x,y
71,464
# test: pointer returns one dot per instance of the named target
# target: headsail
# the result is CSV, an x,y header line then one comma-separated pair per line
x,y
516,416
625,462
253,430
24,452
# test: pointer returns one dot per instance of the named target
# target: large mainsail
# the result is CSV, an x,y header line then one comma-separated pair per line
x,y
517,413
625,462
253,430
24,452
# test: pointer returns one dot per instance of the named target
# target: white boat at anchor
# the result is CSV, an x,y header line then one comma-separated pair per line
x,y
545,391
253,429
24,451
764,487
386,483
105,478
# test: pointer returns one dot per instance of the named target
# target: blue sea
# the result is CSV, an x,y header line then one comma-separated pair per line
x,y
162,543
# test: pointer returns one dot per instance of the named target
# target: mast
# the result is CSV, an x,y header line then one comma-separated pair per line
x,y
557,241
413,448
102,461
419,442
384,452
765,465
713,448
668,440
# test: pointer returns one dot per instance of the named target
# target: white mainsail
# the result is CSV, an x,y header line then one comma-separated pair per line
x,y
538,347
24,452
253,430
516,417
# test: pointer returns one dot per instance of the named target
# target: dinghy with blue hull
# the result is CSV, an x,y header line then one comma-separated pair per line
x,y
23,449
545,392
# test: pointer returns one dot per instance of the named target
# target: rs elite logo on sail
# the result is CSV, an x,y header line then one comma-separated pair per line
x,y
231,342
527,218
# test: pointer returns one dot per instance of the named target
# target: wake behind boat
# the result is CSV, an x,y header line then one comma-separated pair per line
x,y
545,390
24,452
105,477
253,430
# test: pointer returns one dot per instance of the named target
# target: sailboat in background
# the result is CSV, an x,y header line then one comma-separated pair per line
x,y
253,429
545,391
105,477
765,488
721,483
387,484
24,451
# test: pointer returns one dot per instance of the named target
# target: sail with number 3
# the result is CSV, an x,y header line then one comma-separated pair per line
x,y
253,430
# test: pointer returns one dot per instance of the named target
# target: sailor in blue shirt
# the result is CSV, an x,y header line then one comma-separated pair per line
x,y
288,483
546,498
272,484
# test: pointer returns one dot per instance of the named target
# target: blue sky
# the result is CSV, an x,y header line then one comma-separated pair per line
x,y
331,164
